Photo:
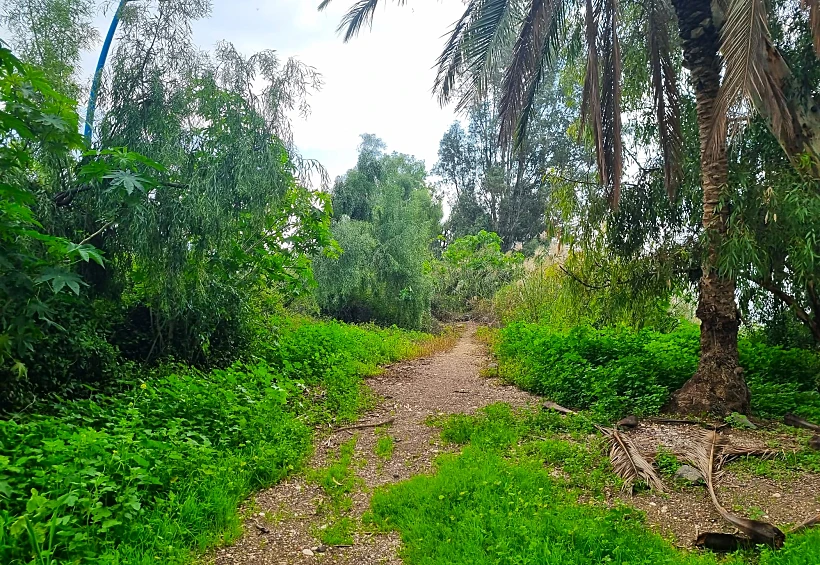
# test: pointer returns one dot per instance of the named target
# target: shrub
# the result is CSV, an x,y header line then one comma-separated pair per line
x,y
472,268
619,370
158,468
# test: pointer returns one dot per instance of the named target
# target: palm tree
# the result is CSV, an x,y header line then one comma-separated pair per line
x,y
730,58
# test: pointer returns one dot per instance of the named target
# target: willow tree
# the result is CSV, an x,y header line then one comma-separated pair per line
x,y
732,65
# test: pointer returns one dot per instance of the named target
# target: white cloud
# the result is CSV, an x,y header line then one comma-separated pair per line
x,y
378,83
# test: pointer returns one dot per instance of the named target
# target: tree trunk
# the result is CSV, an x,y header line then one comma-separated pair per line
x,y
718,386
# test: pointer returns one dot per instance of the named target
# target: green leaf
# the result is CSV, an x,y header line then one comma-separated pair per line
x,y
109,524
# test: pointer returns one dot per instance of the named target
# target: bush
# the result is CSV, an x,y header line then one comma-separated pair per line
x,y
472,268
616,371
546,294
156,469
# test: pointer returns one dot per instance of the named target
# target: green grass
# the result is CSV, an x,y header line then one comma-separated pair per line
x,y
338,479
384,447
338,532
512,497
155,472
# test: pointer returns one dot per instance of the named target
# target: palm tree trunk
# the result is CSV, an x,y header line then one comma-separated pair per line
x,y
718,386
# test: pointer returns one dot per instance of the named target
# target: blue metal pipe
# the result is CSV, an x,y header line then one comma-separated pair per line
x,y
95,84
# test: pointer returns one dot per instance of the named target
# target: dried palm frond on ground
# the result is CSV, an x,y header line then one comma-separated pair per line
x,y
732,452
628,462
705,455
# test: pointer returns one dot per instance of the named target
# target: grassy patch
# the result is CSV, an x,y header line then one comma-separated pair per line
x,y
338,479
512,497
384,447
338,532
157,469
483,509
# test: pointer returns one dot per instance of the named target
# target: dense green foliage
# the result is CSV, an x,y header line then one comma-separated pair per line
x,y
158,468
385,222
472,268
505,190
173,247
499,502
617,370
34,265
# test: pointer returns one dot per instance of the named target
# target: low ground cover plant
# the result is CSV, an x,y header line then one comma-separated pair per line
x,y
619,370
148,472
512,497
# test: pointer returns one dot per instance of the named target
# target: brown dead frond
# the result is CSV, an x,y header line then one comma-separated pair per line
x,y
745,42
591,99
665,93
704,454
611,100
628,462
814,22
731,453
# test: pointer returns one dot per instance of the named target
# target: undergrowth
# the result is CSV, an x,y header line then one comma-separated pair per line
x,y
513,496
338,480
149,472
616,371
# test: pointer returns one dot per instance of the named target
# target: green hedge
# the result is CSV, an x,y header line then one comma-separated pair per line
x,y
159,468
615,371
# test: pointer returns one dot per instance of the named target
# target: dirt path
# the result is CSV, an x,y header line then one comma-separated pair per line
x,y
286,517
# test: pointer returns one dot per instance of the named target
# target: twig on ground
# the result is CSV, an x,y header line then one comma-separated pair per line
x,y
550,405
811,522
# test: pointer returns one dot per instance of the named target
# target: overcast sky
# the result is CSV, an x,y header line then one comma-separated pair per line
x,y
378,83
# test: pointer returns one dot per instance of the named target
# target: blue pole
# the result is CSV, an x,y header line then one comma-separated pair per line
x,y
95,84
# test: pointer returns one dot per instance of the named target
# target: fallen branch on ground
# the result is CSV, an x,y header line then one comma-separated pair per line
x,y
797,422
549,405
811,522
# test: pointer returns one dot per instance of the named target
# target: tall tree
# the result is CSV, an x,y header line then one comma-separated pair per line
x,y
385,221
504,189
723,39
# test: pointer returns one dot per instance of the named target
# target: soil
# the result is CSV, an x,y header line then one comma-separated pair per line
x,y
412,391
685,511
282,522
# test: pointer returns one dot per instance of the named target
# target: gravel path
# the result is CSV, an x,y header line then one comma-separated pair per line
x,y
285,518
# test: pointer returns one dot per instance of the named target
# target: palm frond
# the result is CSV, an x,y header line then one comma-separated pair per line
x,y
628,463
744,45
591,98
665,94
451,60
357,16
814,22
557,29
731,452
705,455
474,50
524,66
324,4
611,101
